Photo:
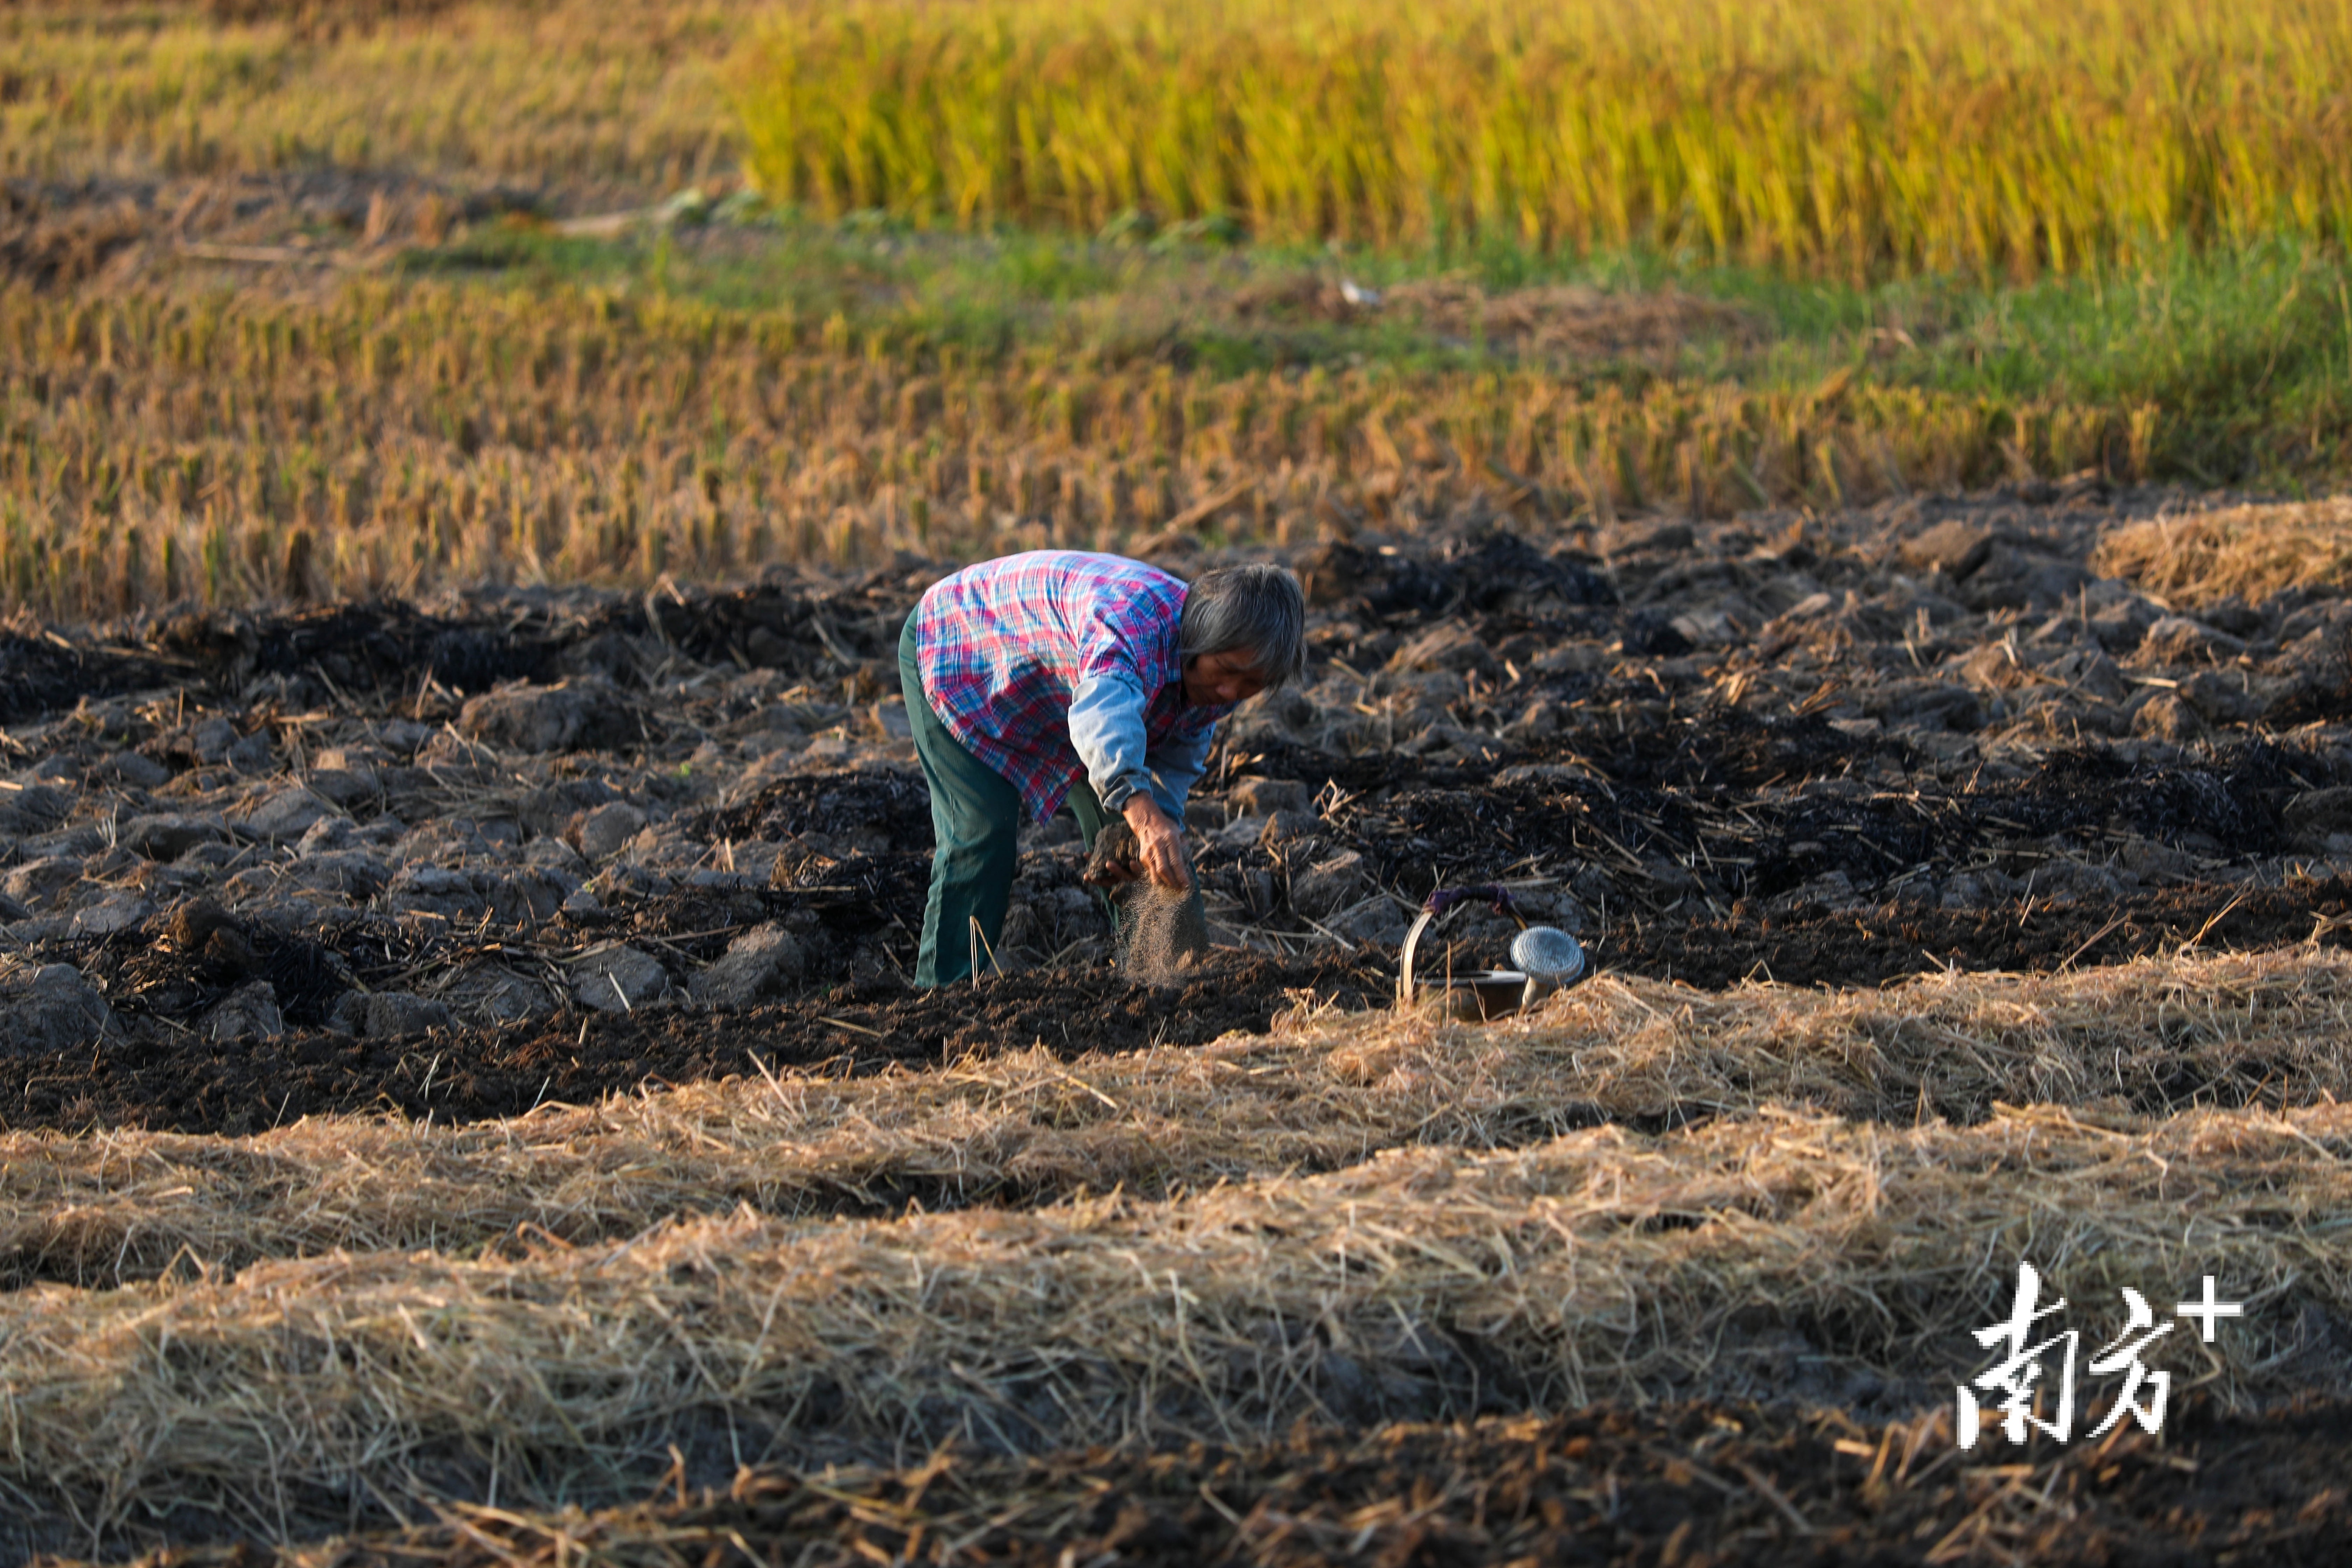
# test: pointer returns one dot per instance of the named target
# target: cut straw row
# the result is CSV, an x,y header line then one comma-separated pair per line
x,y
399,439
2252,551
1770,1255
1323,1091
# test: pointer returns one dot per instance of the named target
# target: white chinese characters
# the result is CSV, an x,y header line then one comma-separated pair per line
x,y
2024,1361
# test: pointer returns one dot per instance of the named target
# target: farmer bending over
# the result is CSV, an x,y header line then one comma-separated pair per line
x,y
1059,675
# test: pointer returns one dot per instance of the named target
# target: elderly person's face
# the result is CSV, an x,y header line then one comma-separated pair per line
x,y
1211,679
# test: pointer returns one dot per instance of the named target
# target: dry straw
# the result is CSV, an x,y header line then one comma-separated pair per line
x,y
1324,1092
230,448
1772,1254
2252,552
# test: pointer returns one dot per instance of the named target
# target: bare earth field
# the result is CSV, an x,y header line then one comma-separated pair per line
x,y
465,1103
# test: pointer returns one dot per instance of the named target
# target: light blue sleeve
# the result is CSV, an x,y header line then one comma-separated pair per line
x,y
1179,766
1107,728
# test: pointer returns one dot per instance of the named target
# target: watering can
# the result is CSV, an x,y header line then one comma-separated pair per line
x,y
1545,959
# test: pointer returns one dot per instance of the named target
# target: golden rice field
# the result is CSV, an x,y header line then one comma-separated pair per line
x,y
1849,136
1844,135
624,94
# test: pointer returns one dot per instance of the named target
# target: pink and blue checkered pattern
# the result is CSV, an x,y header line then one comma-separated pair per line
x,y
1004,646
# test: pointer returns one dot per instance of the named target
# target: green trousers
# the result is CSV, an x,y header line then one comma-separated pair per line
x,y
976,826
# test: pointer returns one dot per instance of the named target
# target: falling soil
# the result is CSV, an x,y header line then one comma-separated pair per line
x,y
1682,1484
1162,933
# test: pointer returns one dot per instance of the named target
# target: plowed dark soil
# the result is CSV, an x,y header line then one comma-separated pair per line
x,y
1841,796
1821,947
1692,1484
389,648
194,1086
191,1086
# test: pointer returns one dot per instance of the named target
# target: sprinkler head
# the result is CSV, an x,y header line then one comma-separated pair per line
x,y
1552,959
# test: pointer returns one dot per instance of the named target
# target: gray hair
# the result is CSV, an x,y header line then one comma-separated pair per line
x,y
1255,609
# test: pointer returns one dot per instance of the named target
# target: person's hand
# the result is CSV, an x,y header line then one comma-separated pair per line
x,y
1159,842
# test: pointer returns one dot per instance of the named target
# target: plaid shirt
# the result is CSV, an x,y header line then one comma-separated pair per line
x,y
1008,647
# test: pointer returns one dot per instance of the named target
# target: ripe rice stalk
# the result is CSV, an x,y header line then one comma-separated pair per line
x,y
1604,1264
1323,1091
1852,137
623,91
2252,552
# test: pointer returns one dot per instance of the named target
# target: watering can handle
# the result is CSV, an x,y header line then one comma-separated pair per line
x,y
1437,904
1444,899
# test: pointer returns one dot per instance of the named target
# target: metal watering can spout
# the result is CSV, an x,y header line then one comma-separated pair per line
x,y
1545,959
1552,959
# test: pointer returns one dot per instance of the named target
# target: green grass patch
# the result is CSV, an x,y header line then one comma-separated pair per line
x,y
2244,352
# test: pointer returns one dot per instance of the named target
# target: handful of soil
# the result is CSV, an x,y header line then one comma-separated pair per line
x,y
1161,931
